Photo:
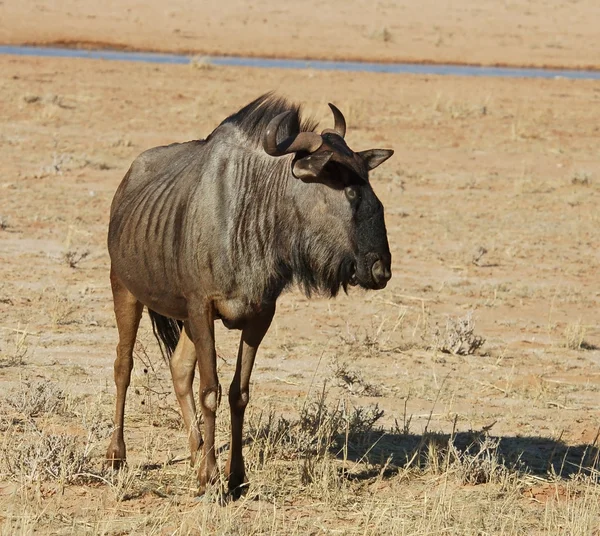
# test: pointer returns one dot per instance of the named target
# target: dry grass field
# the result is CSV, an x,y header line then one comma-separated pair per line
x,y
462,399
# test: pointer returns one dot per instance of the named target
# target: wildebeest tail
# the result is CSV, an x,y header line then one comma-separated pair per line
x,y
167,331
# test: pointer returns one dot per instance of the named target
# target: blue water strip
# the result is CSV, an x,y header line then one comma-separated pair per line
x,y
320,65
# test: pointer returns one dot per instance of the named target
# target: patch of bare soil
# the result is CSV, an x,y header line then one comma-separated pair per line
x,y
482,352
548,33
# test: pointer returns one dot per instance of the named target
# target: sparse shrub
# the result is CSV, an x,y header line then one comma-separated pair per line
x,y
30,452
60,162
201,63
33,400
352,380
459,109
581,178
481,251
320,429
361,420
122,142
458,337
42,456
100,165
478,462
382,34
371,342
73,257
30,98
323,432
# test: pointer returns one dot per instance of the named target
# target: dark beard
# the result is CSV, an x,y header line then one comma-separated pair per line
x,y
326,279
346,274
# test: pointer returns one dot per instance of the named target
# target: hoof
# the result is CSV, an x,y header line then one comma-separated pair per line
x,y
115,463
237,485
115,456
212,495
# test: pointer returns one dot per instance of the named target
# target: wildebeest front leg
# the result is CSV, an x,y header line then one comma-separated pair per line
x,y
183,364
239,395
128,311
202,331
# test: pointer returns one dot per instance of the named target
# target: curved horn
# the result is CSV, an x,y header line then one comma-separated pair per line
x,y
340,122
303,141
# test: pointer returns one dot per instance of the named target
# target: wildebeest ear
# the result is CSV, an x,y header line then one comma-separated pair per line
x,y
310,167
374,157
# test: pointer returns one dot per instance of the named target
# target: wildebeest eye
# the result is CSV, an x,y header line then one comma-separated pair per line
x,y
351,194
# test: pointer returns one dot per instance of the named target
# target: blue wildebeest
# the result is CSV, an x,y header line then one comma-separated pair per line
x,y
217,229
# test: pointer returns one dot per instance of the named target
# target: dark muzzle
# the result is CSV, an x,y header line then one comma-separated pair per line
x,y
381,273
373,272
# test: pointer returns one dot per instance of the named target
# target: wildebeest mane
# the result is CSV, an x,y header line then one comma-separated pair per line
x,y
253,118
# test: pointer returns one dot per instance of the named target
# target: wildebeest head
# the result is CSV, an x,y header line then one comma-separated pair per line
x,y
350,213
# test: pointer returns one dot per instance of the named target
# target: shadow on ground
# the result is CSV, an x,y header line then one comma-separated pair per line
x,y
533,455
353,434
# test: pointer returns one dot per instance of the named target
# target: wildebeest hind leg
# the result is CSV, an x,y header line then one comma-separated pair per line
x,y
128,311
239,395
183,364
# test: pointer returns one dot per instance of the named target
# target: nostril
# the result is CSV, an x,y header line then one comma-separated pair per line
x,y
381,272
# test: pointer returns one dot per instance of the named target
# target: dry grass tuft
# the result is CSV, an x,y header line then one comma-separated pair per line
x,y
61,308
13,352
32,450
575,337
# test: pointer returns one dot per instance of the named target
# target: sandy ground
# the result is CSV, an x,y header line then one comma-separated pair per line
x,y
491,207
536,32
